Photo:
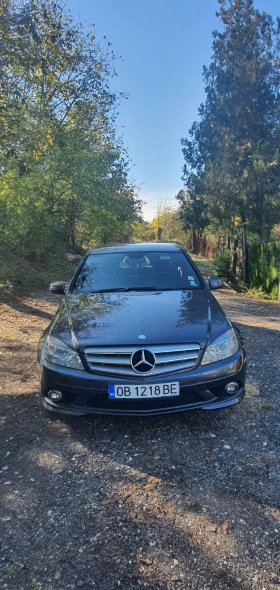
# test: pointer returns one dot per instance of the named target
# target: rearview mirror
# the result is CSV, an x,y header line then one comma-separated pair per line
x,y
216,283
58,287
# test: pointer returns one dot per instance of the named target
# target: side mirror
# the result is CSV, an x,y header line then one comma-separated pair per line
x,y
216,283
58,287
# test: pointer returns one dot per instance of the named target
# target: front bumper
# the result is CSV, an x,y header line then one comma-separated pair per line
x,y
86,393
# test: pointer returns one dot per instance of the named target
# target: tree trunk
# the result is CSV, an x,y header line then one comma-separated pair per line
x,y
229,243
204,246
235,256
244,253
262,220
195,242
199,242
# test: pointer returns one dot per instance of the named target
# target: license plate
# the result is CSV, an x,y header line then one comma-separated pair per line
x,y
143,391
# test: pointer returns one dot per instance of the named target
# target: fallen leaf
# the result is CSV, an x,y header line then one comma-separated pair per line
x,y
224,527
129,493
146,561
153,479
125,497
152,483
149,487
209,459
109,501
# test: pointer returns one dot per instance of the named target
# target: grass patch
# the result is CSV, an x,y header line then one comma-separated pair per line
x,y
268,406
205,266
19,275
258,293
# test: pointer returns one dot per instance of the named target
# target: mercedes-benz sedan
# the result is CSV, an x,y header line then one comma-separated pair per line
x,y
139,332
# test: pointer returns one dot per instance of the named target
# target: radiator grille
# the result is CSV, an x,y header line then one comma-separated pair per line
x,y
117,360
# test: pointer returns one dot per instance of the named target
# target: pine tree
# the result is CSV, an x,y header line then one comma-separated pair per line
x,y
232,155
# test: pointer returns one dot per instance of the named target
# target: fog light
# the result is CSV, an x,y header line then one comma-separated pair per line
x,y
231,387
55,396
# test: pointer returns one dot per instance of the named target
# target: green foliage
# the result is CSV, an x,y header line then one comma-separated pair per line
x,y
168,226
232,159
142,232
63,173
206,267
222,264
257,293
193,209
264,267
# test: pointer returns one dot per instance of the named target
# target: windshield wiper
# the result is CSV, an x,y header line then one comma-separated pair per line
x,y
126,289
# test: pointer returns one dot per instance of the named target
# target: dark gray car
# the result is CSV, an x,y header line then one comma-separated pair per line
x,y
139,332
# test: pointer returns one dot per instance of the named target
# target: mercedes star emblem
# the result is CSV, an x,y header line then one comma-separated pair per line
x,y
143,361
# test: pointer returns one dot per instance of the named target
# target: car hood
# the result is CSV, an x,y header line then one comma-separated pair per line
x,y
121,318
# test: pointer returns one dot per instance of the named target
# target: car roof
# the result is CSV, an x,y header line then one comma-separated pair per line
x,y
137,247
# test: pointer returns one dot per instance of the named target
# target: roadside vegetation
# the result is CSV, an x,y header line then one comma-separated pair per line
x,y
20,276
232,163
64,172
65,180
230,206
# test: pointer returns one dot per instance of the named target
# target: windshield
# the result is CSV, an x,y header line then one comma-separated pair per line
x,y
116,271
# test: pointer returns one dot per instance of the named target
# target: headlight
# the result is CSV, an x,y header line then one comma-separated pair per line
x,y
222,348
55,351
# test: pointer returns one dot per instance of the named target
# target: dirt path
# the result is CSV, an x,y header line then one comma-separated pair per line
x,y
176,502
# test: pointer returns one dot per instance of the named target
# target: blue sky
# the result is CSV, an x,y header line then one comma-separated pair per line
x,y
164,45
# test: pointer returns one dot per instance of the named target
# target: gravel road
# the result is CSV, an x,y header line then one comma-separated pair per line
x,y
174,502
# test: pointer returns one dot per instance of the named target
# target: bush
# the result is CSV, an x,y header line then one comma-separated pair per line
x,y
263,267
222,264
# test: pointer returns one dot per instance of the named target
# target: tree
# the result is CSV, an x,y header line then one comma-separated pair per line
x,y
167,225
193,212
142,232
232,155
64,174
